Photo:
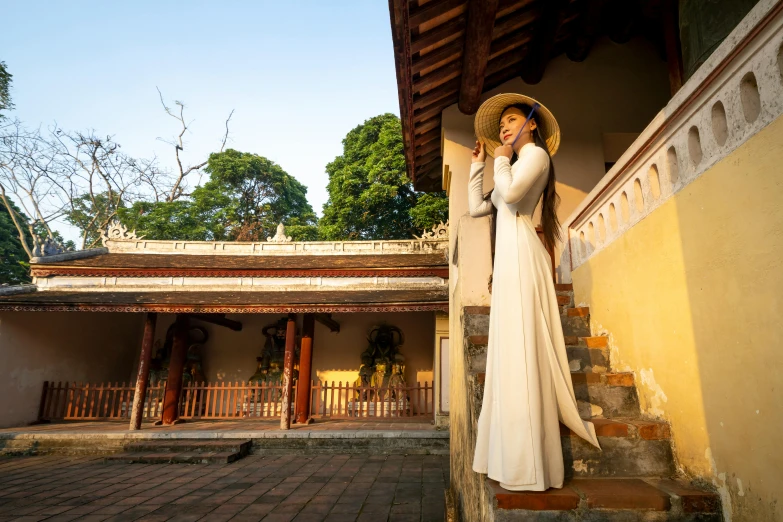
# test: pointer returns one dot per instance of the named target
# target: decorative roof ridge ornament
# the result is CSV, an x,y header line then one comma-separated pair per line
x,y
430,238
43,247
280,236
117,232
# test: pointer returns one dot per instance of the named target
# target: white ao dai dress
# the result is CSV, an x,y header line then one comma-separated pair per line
x,y
528,387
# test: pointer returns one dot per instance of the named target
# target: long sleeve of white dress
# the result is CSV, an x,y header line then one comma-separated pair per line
x,y
511,186
478,205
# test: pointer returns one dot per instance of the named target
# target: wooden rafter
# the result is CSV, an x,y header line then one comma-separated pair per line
x,y
544,39
587,30
431,10
478,39
439,56
401,42
452,28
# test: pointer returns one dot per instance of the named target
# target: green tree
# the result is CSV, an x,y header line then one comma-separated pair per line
x,y
14,266
245,198
5,92
370,195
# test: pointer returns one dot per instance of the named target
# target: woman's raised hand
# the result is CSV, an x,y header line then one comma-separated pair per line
x,y
479,154
504,150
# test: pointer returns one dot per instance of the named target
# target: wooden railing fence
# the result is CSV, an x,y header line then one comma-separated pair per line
x,y
226,400
85,401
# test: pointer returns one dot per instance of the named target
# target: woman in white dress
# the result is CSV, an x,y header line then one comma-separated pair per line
x,y
528,388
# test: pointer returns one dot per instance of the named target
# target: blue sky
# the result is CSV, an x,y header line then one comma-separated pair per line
x,y
299,74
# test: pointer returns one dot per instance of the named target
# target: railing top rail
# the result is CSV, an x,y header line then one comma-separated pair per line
x,y
732,96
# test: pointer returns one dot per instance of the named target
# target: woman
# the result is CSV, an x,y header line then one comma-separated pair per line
x,y
528,385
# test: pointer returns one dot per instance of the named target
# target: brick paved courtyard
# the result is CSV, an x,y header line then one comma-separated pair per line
x,y
270,488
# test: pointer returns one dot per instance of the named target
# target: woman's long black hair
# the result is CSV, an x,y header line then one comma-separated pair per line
x,y
549,199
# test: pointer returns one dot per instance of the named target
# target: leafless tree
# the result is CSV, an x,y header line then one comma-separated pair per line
x,y
177,188
27,166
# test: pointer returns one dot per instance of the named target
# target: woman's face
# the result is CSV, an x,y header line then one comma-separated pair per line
x,y
511,122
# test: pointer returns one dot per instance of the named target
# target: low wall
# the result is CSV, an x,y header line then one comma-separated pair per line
x,y
691,297
78,346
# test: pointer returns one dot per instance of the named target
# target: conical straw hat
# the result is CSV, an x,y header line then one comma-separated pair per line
x,y
487,121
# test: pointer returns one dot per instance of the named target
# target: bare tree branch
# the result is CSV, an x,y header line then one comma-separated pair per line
x,y
177,190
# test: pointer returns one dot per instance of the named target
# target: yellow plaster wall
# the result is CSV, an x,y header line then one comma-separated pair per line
x,y
691,297
61,346
231,356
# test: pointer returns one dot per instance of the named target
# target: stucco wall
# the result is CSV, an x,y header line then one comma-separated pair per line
x,y
61,346
691,297
231,356
616,90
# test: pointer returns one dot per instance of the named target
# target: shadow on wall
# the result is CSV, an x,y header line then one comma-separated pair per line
x,y
61,346
691,298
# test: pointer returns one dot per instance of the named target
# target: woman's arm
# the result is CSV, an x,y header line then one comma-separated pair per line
x,y
512,187
478,205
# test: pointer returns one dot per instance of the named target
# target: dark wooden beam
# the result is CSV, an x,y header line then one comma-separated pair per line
x,y
433,9
544,39
421,101
622,17
478,39
672,40
427,147
327,321
587,30
429,163
450,29
504,61
425,159
303,385
427,137
436,108
288,373
437,77
510,41
515,21
179,351
143,374
427,125
450,51
401,40
218,319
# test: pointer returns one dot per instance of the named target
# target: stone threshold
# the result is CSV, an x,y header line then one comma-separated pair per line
x,y
222,434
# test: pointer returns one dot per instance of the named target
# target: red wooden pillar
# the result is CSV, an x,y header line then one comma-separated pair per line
x,y
179,351
144,371
288,368
305,366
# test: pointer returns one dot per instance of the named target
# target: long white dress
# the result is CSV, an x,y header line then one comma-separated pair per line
x,y
528,385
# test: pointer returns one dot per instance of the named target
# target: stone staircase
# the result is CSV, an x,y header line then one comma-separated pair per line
x,y
633,478
183,451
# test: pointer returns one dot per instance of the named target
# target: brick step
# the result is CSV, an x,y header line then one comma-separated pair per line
x,y
588,354
190,446
576,322
629,448
608,395
585,354
182,457
610,500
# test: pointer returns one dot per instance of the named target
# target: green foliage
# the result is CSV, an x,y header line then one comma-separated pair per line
x,y
5,94
431,209
245,198
14,266
370,195
89,215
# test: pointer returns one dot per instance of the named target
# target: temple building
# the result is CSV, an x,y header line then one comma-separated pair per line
x,y
669,269
227,330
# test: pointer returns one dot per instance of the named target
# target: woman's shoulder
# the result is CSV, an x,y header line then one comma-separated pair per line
x,y
535,154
